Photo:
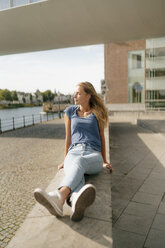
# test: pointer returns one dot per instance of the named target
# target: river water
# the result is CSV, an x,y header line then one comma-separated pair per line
x,y
21,117
18,112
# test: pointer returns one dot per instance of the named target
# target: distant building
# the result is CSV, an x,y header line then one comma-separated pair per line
x,y
37,97
20,96
135,74
27,98
63,99
24,97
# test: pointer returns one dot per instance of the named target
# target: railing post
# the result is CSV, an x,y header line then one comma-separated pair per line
x,y
0,126
59,110
13,124
33,119
40,118
47,116
23,121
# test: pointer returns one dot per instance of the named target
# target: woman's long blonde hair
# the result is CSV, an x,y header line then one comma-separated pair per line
x,y
96,104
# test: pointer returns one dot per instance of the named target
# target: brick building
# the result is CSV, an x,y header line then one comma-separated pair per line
x,y
135,73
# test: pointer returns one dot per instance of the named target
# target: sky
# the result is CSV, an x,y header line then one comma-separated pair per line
x,y
59,69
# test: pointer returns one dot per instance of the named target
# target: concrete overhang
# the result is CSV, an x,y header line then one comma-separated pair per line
x,y
56,24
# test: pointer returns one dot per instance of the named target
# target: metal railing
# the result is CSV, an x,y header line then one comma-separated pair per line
x,y
24,121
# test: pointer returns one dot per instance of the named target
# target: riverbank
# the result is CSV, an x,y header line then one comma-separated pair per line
x,y
19,105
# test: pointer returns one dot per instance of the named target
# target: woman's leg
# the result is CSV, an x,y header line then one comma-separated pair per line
x,y
93,162
74,173
64,191
78,163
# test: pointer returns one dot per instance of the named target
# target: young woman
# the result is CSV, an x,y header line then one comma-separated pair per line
x,y
85,153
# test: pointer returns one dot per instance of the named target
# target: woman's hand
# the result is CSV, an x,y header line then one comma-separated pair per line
x,y
60,166
108,166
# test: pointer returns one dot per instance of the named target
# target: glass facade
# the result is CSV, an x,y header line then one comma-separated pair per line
x,y
136,76
146,75
155,73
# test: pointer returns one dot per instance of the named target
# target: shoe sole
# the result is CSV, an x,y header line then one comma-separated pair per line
x,y
42,199
86,199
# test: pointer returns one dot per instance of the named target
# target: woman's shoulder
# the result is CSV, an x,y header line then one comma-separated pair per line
x,y
70,110
72,107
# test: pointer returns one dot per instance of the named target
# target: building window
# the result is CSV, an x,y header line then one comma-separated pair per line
x,y
155,99
136,76
153,73
136,61
137,93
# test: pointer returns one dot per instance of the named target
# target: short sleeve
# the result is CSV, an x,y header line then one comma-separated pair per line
x,y
69,111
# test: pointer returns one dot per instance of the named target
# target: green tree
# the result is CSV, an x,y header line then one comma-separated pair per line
x,y
47,95
6,95
1,95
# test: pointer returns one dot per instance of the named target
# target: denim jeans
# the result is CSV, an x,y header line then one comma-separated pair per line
x,y
81,159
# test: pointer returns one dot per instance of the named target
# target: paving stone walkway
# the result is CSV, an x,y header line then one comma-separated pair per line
x,y
28,159
138,184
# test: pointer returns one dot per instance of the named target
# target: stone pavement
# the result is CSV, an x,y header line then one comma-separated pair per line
x,y
138,186
28,159
138,182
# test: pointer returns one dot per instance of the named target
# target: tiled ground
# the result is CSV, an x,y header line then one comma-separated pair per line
x,y
138,185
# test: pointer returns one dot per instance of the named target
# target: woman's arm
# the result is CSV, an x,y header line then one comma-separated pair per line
x,y
67,138
103,151
68,134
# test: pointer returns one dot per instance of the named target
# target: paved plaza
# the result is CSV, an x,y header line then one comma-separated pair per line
x,y
28,159
138,182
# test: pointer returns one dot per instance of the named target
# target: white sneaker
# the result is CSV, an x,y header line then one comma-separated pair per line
x,y
52,201
81,200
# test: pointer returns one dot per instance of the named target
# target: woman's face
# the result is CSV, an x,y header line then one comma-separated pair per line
x,y
80,96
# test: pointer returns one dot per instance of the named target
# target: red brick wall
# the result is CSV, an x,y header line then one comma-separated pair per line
x,y
116,69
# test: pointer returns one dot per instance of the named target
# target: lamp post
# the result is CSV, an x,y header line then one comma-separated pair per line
x,y
59,111
104,90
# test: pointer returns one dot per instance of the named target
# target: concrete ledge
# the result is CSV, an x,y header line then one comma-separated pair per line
x,y
42,230
125,107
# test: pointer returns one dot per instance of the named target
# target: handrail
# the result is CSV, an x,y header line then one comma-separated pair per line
x,y
24,121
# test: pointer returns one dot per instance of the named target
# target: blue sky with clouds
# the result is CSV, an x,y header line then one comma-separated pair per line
x,y
58,70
